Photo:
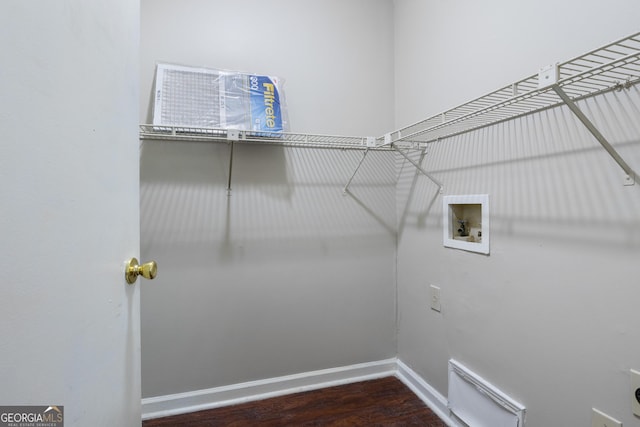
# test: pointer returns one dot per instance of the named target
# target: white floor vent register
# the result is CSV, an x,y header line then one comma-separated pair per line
x,y
479,403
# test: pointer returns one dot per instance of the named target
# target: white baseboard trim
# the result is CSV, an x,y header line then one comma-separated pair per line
x,y
429,395
182,403
199,400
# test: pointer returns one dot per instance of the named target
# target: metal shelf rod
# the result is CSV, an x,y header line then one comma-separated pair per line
x,y
424,172
631,175
346,187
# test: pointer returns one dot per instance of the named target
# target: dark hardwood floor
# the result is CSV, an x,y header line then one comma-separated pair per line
x,y
380,402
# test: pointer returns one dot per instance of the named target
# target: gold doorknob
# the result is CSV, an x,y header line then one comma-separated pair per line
x,y
148,270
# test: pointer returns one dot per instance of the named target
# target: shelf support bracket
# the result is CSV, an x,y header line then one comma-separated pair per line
x,y
631,175
230,168
346,187
232,136
418,167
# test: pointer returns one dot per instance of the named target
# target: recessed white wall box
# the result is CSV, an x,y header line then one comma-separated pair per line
x,y
466,222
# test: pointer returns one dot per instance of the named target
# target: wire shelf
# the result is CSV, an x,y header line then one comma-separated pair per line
x,y
615,66
185,133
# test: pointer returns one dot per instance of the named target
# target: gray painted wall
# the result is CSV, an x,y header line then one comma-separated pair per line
x,y
287,275
336,57
550,316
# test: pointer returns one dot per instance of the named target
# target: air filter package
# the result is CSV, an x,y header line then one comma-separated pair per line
x,y
192,98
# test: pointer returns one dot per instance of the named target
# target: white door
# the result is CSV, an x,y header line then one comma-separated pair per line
x,y
69,218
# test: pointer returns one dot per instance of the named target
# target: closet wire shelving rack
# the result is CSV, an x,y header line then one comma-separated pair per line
x,y
613,67
189,133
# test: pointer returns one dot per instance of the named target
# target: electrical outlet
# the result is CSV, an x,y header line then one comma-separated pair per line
x,y
635,392
435,298
600,419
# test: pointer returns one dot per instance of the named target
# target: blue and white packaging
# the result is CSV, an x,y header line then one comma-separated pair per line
x,y
266,110
194,98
